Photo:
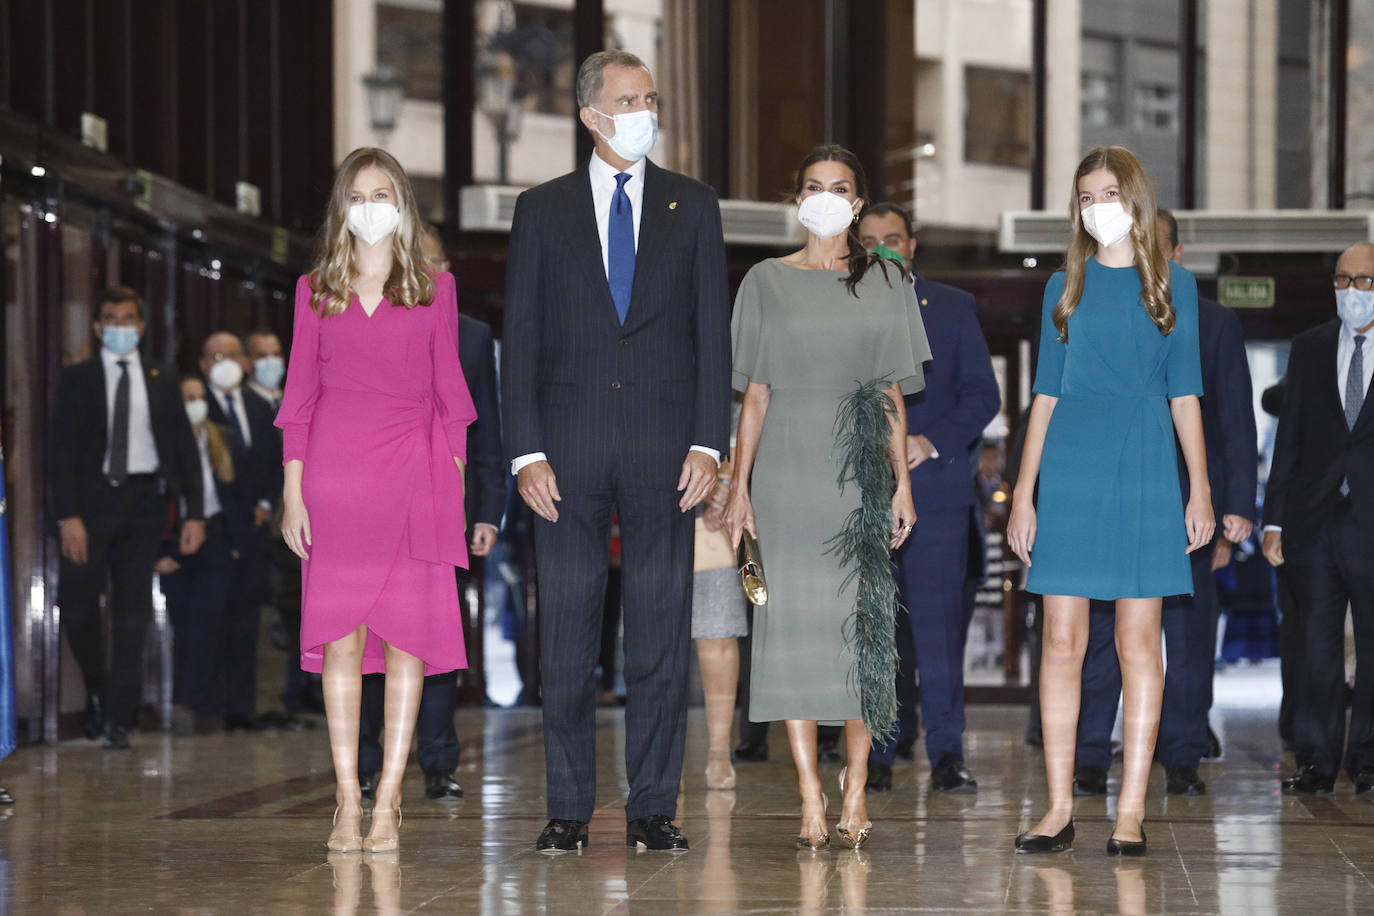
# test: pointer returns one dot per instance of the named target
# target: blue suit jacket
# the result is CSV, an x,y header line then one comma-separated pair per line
x,y
960,398
1228,414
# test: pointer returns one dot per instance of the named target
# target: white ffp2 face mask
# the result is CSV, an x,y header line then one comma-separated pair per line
x,y
1107,222
1355,307
226,375
373,221
636,134
197,410
825,215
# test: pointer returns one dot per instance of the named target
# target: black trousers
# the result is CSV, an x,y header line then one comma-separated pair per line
x,y
436,737
198,603
572,556
241,626
1326,575
1290,652
123,530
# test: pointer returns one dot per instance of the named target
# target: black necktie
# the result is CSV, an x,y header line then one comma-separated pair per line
x,y
119,429
234,416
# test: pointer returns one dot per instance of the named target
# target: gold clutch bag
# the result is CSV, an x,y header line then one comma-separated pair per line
x,y
751,570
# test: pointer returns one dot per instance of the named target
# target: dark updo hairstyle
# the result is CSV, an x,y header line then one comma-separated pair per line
x,y
859,260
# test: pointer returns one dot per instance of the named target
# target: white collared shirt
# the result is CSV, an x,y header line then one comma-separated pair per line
x,y
238,411
1345,351
207,476
142,445
603,189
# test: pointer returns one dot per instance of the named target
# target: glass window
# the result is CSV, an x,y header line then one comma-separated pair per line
x,y
1156,107
1359,122
1099,99
997,117
409,38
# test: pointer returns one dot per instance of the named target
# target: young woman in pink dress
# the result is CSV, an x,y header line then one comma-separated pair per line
x,y
374,421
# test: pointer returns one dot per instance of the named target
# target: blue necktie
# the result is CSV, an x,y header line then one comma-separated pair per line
x,y
620,247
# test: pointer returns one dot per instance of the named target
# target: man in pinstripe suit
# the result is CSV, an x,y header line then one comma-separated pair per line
x,y
615,385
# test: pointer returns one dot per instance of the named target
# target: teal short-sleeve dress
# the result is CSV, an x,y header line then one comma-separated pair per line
x,y
1110,511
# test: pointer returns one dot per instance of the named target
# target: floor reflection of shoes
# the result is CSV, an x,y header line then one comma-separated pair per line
x,y
5,797
719,773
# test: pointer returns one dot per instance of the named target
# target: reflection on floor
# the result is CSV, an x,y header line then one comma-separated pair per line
x,y
237,824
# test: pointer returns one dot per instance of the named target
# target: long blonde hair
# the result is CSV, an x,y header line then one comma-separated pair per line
x,y
331,280
1137,195
221,459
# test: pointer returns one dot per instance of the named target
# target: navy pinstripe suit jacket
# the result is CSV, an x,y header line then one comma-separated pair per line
x,y
577,385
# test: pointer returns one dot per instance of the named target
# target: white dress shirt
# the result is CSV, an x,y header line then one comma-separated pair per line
x,y
142,445
207,476
603,189
1345,351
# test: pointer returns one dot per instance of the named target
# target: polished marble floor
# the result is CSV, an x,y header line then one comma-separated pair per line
x,y
236,824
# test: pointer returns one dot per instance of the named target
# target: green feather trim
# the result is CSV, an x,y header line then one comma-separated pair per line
x,y
863,429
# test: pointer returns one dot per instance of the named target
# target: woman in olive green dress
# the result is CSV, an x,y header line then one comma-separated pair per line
x,y
812,332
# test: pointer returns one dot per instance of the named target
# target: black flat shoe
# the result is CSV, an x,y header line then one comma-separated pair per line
x,y
442,787
1117,847
1364,781
1088,781
1038,842
952,777
1184,781
368,783
1307,781
879,778
750,752
116,738
562,836
657,831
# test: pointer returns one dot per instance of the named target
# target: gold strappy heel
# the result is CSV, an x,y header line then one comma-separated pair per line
x,y
858,838
822,841
343,844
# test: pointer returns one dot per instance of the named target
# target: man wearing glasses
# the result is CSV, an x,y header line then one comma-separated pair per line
x,y
1319,522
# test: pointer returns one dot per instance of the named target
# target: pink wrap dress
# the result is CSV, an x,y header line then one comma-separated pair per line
x,y
378,408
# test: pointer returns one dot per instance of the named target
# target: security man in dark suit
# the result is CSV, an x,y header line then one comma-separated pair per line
x,y
437,745
1319,524
1189,622
944,425
615,390
257,447
119,450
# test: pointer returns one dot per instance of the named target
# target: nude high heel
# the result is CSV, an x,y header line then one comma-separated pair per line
x,y
385,844
352,843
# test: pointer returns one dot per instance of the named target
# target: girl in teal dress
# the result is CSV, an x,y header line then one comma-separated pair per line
x,y
1118,374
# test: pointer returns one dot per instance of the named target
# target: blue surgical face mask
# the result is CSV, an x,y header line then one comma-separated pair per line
x,y
120,338
636,134
268,370
1355,306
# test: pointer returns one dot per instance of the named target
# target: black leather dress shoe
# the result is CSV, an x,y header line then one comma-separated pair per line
x,y
1038,842
1089,781
368,783
442,787
1364,781
1184,781
243,724
750,752
1307,781
1213,745
1117,847
879,778
562,836
5,797
952,777
906,749
116,738
657,831
93,719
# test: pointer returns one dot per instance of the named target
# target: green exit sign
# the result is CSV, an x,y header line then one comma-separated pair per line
x,y
1246,292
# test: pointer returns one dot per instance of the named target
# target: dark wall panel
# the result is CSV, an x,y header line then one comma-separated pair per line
x,y
28,61
111,70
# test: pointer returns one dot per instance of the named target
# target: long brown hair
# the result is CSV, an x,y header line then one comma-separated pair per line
x,y
859,260
1137,195
331,280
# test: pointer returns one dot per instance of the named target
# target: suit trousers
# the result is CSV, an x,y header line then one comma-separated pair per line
x,y
1290,653
249,589
198,599
1190,637
572,557
1331,572
931,570
123,532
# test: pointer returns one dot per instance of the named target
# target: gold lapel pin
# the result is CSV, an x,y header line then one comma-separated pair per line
x,y
672,205
152,372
